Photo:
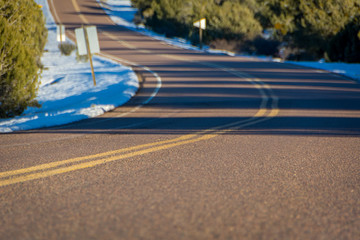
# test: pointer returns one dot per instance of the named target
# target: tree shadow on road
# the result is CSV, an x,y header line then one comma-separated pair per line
x,y
194,97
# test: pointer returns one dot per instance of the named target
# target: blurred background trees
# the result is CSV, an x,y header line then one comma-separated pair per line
x,y
310,27
22,40
227,20
291,29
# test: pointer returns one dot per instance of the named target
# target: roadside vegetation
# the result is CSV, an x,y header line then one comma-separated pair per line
x,y
22,40
66,48
290,29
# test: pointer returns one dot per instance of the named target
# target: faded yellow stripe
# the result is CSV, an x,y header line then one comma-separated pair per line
x,y
125,43
106,154
98,162
206,134
261,112
78,159
77,9
210,133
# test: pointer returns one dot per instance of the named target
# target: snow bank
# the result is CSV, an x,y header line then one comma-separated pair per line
x,y
67,93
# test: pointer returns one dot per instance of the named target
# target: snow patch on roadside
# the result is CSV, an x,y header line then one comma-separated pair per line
x,y
346,69
66,91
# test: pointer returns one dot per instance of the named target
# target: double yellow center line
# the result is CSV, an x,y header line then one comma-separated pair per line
x,y
69,165
60,167
73,164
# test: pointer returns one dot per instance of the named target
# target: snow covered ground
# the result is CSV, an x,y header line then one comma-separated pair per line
x,y
67,93
346,69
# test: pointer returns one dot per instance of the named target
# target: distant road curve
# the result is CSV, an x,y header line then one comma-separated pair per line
x,y
227,148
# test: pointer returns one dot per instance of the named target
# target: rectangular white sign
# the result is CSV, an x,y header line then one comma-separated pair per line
x,y
200,24
93,39
60,33
80,41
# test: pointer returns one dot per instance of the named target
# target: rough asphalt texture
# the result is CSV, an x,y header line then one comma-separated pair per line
x,y
292,175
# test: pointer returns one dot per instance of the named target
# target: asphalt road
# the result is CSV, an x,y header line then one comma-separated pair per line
x,y
212,147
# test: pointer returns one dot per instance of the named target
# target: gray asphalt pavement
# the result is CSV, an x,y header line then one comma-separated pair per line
x,y
226,148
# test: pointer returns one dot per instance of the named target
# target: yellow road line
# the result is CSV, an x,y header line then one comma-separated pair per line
x,y
77,9
125,43
255,81
258,84
78,159
57,19
97,162
46,170
205,135
49,169
45,166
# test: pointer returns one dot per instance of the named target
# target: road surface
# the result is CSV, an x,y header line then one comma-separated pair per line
x,y
212,147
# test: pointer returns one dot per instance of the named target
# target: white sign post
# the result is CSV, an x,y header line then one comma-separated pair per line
x,y
60,33
201,24
88,43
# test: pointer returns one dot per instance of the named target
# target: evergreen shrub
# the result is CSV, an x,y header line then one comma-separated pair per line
x,y
22,40
227,21
66,48
345,46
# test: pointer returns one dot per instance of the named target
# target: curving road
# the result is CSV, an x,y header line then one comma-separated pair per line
x,y
212,147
